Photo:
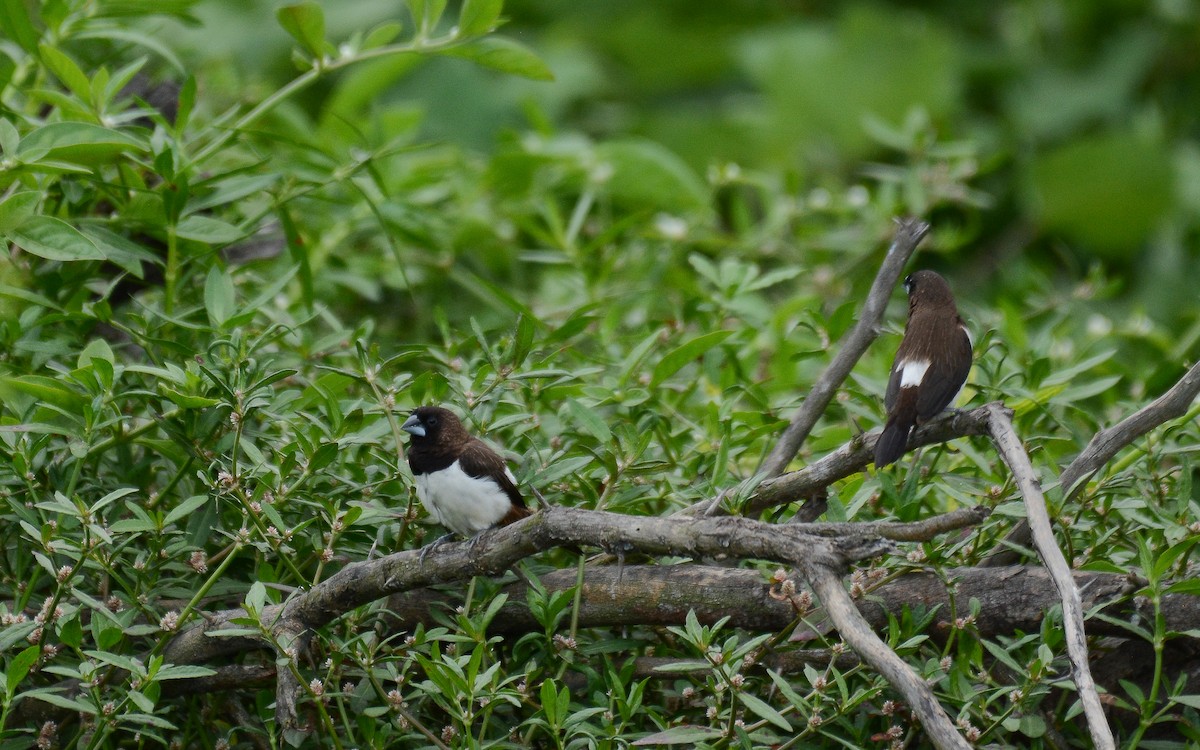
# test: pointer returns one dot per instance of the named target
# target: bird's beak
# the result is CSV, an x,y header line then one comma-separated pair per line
x,y
413,426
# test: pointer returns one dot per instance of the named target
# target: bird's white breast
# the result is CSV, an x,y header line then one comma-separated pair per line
x,y
462,503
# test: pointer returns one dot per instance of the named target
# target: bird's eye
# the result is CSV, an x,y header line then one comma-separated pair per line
x,y
431,420
908,283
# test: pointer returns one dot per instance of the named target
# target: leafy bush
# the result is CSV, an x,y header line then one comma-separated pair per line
x,y
214,320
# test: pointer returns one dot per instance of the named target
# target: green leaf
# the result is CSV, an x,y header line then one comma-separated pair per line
x,y
1167,558
19,667
762,710
695,665
219,296
71,633
256,597
18,208
306,23
54,699
10,139
549,697
15,20
684,735
563,467
1032,726
54,239
96,349
110,498
589,420
1188,586
384,33
505,55
208,229
186,400
426,13
184,509
680,356
121,250
645,173
43,389
1192,701
67,71
183,672
77,143
132,526
478,16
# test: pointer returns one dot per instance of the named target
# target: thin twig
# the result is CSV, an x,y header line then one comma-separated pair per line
x,y
909,233
1101,449
851,458
1013,453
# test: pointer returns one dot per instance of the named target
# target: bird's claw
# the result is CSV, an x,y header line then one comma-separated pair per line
x,y
432,546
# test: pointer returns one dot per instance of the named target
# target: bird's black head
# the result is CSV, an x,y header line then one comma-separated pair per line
x,y
434,423
928,288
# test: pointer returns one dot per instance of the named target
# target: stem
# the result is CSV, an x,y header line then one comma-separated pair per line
x,y
171,276
104,445
199,595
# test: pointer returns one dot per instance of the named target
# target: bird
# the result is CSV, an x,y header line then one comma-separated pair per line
x,y
931,365
464,484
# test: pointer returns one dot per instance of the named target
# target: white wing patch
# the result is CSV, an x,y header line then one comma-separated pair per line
x,y
913,372
464,504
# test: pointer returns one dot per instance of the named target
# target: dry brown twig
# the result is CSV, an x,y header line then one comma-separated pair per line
x,y
1102,448
1013,453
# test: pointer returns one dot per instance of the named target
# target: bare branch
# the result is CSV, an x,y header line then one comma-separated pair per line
x,y
827,584
1102,448
1011,599
359,583
909,233
853,457
1013,453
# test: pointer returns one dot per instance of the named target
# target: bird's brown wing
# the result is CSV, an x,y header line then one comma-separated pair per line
x,y
943,380
893,386
480,461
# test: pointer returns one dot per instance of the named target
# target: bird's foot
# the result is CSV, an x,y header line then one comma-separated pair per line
x,y
433,545
474,541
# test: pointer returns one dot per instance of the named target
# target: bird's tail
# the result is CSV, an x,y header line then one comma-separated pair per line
x,y
894,439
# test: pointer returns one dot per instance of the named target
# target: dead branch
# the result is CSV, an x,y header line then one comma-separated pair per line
x,y
1013,599
851,458
827,585
1013,453
816,555
1102,448
909,233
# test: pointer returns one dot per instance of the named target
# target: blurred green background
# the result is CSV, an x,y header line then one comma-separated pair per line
x,y
1075,121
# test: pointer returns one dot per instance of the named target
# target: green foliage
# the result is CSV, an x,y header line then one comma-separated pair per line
x,y
222,295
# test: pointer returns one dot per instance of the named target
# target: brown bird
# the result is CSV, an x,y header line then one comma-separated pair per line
x,y
931,366
464,484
